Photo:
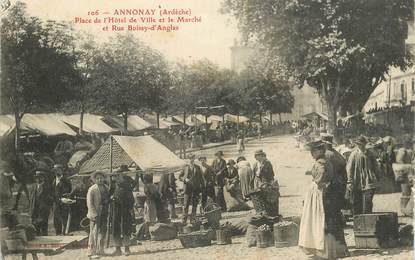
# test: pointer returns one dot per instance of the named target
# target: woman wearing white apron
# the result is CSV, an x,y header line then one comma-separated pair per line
x,y
319,221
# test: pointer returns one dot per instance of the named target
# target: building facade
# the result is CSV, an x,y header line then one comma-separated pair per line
x,y
306,99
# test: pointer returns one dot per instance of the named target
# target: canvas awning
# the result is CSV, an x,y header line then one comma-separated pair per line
x,y
163,122
91,123
234,118
6,125
312,114
147,153
215,118
134,122
45,124
197,119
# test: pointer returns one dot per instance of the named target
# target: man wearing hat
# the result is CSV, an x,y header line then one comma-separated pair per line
x,y
321,230
361,178
97,200
61,186
219,168
41,201
192,186
262,169
339,168
208,191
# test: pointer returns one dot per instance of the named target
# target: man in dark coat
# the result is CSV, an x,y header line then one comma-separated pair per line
x,y
208,191
361,178
123,201
41,201
61,186
193,184
219,168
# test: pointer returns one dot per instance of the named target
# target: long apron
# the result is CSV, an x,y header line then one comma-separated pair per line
x,y
312,220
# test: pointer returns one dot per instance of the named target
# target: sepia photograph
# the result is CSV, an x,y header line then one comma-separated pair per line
x,y
207,129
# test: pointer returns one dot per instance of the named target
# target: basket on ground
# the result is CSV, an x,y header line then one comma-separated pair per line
x,y
195,239
213,214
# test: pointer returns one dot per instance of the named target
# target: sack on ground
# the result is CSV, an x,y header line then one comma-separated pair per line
x,y
235,202
162,232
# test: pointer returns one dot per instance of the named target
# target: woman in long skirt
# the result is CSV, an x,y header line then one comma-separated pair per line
x,y
321,225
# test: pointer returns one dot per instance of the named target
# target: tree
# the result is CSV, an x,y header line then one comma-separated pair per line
x,y
341,48
37,72
125,73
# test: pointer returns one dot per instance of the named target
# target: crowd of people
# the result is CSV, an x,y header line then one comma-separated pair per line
x,y
343,180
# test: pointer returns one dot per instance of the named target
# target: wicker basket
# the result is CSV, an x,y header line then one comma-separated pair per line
x,y
195,239
213,214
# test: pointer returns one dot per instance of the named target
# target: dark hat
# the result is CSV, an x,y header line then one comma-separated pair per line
x,y
360,140
219,153
259,152
326,138
315,145
231,162
202,158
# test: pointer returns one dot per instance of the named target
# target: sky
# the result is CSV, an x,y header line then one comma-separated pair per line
x,y
211,39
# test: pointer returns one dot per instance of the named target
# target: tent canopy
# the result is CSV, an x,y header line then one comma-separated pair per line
x,y
134,122
164,123
91,123
45,124
313,114
234,118
214,118
147,153
6,125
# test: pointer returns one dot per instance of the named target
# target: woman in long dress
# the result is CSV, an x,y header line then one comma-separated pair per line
x,y
320,222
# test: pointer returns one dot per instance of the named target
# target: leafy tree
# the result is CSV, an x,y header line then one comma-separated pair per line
x,y
37,72
125,74
342,48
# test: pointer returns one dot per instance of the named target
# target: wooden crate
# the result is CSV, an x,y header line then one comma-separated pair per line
x,y
376,230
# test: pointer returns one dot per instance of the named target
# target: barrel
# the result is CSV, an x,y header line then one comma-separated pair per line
x,y
286,234
376,230
406,189
264,238
223,237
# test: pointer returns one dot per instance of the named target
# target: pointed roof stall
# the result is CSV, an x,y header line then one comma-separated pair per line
x,y
147,153
91,123
134,123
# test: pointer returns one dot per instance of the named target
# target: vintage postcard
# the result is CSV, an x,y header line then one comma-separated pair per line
x,y
208,129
